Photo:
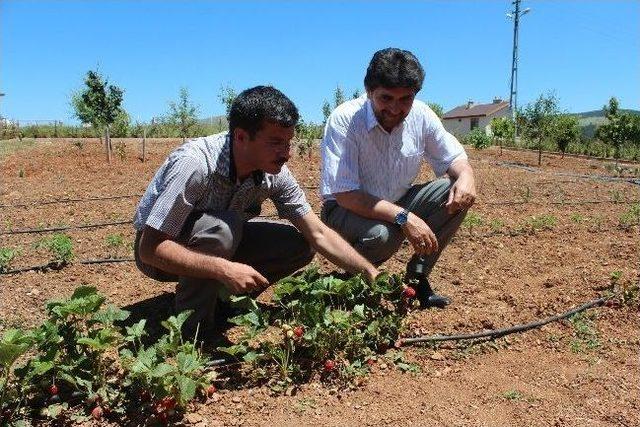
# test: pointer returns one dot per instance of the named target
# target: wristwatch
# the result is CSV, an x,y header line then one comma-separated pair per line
x,y
401,217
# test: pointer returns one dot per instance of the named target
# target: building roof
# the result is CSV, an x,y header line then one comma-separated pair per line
x,y
475,110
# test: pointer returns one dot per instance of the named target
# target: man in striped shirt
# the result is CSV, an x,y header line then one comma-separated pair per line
x,y
372,152
196,221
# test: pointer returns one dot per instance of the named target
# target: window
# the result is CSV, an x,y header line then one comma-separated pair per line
x,y
474,123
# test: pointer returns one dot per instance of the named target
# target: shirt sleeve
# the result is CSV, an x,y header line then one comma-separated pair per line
x,y
179,187
288,197
339,153
441,148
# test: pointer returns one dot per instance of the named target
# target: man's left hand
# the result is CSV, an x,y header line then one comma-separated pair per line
x,y
462,194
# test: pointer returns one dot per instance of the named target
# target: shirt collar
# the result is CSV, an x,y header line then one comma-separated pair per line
x,y
370,116
231,171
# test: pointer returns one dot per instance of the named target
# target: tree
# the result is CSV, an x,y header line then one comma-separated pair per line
x,y
356,94
326,110
618,130
566,130
502,129
98,104
437,108
338,96
538,119
183,115
227,95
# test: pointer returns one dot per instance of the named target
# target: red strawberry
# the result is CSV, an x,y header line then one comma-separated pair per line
x,y
97,413
409,292
371,362
298,331
53,390
209,391
329,365
168,402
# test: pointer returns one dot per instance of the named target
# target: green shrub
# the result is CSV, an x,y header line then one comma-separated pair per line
x,y
478,138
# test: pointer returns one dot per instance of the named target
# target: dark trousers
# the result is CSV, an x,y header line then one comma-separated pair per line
x,y
274,249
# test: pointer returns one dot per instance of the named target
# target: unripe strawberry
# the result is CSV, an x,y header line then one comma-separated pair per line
x,y
298,331
97,413
286,327
409,292
289,334
329,365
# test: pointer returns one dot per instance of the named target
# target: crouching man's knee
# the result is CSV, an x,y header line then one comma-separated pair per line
x,y
217,233
379,243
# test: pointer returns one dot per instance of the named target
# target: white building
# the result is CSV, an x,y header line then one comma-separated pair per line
x,y
464,118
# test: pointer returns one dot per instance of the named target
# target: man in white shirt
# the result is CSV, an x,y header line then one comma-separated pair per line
x,y
372,151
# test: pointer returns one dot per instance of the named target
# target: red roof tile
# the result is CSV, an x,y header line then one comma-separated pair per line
x,y
477,110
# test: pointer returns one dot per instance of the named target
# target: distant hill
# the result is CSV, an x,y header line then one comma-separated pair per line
x,y
590,120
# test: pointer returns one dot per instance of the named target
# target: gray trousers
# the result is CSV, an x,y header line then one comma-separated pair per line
x,y
274,249
379,240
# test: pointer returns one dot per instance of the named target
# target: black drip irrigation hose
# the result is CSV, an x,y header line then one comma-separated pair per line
x,y
497,333
59,266
635,181
492,334
51,202
71,227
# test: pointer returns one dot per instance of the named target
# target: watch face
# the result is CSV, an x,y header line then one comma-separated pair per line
x,y
401,218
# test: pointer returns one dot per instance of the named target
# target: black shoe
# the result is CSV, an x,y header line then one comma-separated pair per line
x,y
427,297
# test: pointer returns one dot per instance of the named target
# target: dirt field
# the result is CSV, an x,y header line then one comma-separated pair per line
x,y
547,239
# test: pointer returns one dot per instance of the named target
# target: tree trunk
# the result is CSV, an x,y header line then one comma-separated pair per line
x,y
539,152
144,144
107,143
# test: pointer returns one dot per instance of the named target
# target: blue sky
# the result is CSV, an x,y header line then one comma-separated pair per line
x,y
587,51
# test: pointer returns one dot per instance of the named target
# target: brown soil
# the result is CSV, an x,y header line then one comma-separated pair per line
x,y
498,273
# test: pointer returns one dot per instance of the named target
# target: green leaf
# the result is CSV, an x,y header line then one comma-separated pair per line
x,y
187,388
234,350
187,363
250,357
110,315
163,369
358,310
136,330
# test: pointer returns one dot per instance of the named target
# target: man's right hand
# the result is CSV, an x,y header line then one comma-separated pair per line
x,y
420,236
243,279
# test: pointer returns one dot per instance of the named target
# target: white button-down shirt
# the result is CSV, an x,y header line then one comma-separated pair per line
x,y
358,154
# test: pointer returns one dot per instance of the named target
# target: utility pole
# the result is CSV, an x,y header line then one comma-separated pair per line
x,y
513,93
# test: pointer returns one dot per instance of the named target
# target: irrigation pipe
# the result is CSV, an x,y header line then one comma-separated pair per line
x,y
605,178
51,202
92,199
497,333
71,227
56,266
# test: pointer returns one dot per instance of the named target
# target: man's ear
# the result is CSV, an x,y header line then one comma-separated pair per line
x,y
240,135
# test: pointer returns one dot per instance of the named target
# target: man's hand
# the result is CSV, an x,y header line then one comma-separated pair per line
x,y
242,279
420,236
463,192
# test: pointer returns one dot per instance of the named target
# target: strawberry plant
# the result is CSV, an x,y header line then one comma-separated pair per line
x,y
169,372
60,247
7,255
13,345
81,360
339,325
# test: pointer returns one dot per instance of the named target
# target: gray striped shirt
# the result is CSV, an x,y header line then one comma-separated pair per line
x,y
358,154
199,177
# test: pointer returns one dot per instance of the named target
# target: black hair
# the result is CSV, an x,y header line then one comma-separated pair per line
x,y
254,106
392,68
